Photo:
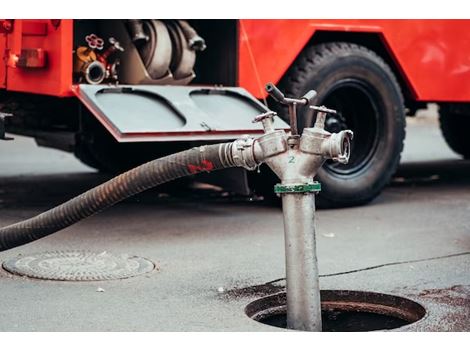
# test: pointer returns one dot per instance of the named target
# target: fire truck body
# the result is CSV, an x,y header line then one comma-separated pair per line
x,y
427,55
370,70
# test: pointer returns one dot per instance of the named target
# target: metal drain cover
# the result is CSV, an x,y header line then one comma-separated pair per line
x,y
77,266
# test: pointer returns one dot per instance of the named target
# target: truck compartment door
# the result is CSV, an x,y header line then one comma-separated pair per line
x,y
147,113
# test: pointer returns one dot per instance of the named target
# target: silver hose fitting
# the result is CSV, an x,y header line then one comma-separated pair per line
x,y
94,72
242,153
338,146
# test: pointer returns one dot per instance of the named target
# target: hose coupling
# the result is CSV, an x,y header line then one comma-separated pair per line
x,y
243,153
338,146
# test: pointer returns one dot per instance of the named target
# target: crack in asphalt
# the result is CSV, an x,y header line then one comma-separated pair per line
x,y
395,263
384,265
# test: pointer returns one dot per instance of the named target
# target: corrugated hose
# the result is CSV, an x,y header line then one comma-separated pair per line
x,y
193,161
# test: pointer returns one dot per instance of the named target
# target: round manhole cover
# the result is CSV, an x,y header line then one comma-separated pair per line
x,y
78,266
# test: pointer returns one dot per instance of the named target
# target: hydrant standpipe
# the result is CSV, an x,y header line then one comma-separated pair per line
x,y
295,160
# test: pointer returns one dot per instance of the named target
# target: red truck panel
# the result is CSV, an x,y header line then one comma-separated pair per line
x,y
3,68
433,54
56,79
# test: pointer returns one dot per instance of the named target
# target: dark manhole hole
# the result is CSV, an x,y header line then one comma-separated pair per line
x,y
77,266
344,311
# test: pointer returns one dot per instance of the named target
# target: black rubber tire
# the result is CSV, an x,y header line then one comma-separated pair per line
x,y
339,68
454,127
86,157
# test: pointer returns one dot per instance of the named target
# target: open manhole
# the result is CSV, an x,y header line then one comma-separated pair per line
x,y
344,311
78,265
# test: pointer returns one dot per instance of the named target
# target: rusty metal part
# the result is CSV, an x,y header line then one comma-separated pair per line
x,y
344,301
32,58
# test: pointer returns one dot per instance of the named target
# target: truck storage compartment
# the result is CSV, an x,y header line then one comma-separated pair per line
x,y
149,113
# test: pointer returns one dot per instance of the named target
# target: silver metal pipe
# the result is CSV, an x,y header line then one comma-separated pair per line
x,y
296,161
302,283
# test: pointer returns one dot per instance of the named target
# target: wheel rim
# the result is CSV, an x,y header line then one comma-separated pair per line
x,y
360,107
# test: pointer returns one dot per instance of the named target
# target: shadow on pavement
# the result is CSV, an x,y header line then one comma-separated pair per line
x,y
436,172
49,190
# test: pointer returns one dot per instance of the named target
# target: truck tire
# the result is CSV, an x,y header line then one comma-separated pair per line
x,y
86,157
454,126
361,86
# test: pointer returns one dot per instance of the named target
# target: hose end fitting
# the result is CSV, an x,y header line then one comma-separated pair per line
x,y
243,153
338,146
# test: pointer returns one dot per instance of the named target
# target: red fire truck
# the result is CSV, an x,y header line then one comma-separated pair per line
x,y
119,92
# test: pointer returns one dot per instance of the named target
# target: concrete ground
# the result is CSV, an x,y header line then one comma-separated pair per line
x,y
215,254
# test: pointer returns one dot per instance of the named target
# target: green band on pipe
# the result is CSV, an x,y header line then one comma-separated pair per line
x,y
314,187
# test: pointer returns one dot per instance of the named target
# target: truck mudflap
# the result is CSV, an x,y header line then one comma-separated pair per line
x,y
149,113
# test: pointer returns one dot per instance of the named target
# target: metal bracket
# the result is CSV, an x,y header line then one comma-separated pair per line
x,y
4,115
314,187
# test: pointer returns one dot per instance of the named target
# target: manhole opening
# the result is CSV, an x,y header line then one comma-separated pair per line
x,y
344,311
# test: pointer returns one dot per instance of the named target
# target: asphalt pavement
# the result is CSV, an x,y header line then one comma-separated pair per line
x,y
214,254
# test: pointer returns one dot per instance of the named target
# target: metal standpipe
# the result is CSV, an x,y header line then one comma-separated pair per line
x,y
303,287
295,159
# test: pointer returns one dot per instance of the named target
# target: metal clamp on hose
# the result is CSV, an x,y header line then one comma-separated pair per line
x,y
242,153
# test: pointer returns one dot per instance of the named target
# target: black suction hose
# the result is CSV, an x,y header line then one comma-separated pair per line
x,y
189,162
